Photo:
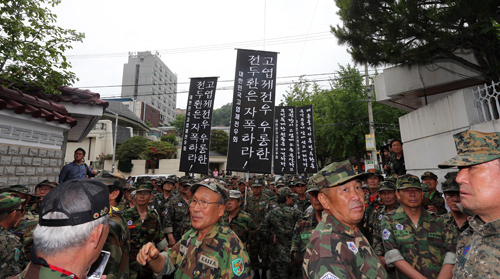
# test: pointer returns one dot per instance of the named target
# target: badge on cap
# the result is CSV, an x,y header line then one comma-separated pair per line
x,y
238,266
399,227
386,234
352,247
329,275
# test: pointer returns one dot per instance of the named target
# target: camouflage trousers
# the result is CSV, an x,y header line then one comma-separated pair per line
x,y
280,270
138,271
262,251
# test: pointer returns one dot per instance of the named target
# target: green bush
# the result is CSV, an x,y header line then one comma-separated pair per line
x,y
125,166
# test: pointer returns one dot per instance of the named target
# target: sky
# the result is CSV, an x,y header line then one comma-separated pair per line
x,y
200,38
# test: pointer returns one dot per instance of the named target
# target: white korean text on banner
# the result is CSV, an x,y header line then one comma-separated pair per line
x,y
252,119
196,136
285,154
306,149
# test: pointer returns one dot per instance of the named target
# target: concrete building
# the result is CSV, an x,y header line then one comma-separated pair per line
x,y
142,110
146,78
442,99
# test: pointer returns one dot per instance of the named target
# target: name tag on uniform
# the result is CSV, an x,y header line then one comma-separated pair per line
x,y
401,232
211,262
435,235
183,249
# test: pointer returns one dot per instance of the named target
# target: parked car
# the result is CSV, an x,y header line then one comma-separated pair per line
x,y
148,177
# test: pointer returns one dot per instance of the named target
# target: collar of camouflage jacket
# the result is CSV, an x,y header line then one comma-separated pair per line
x,y
336,225
486,229
425,215
212,233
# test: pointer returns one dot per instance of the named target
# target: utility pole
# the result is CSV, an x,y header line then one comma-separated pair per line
x,y
369,95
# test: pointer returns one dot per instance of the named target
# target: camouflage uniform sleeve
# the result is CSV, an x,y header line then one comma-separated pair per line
x,y
12,258
167,221
296,240
378,247
390,246
265,226
238,265
451,246
112,245
159,238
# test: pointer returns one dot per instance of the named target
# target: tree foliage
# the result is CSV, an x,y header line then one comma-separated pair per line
x,y
341,115
178,123
171,138
131,149
157,150
222,116
32,46
415,31
219,141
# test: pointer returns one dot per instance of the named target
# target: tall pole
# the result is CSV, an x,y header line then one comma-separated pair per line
x,y
369,95
114,142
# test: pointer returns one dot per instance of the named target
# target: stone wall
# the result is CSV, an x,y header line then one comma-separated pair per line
x,y
28,165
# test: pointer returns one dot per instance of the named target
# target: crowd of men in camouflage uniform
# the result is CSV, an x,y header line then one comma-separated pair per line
x,y
321,227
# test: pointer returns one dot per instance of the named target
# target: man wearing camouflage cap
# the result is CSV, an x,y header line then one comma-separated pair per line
x,y
302,231
336,248
372,203
302,200
416,241
240,221
456,220
208,250
257,208
478,159
118,239
144,227
41,190
436,200
12,257
277,229
176,212
387,194
160,200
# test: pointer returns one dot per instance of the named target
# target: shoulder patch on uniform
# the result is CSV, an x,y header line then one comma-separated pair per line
x,y
209,261
238,266
386,234
295,206
274,205
183,249
17,254
130,222
180,204
352,247
380,217
466,249
399,227
159,202
329,275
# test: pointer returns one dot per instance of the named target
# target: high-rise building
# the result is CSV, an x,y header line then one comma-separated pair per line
x,y
146,78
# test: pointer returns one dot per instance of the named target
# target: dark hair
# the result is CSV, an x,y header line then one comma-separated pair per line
x,y
112,188
282,199
82,150
397,141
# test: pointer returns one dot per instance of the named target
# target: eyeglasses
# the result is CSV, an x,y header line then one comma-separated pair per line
x,y
202,204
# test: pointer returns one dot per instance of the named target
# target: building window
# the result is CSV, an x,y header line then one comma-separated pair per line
x,y
142,59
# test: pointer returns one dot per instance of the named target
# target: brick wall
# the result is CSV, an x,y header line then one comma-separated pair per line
x,y
28,165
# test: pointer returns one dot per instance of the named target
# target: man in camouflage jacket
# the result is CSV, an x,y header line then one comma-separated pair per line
x,y
372,203
277,229
436,200
416,241
160,200
12,257
209,250
143,230
478,157
176,210
239,221
302,232
257,207
336,248
455,220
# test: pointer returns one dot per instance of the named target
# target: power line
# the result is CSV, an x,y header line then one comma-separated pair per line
x,y
245,44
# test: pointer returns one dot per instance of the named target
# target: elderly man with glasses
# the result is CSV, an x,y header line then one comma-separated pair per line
x,y
208,250
76,169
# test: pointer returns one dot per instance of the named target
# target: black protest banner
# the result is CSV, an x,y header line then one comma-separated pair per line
x,y
306,149
252,120
196,137
285,154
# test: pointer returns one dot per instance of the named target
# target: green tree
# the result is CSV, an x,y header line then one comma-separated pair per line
x,y
157,150
132,148
415,31
32,47
178,123
218,141
341,116
222,116
171,138
148,123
